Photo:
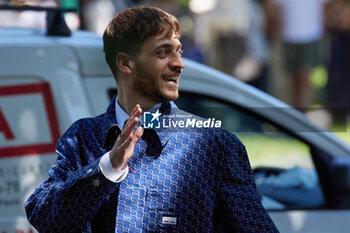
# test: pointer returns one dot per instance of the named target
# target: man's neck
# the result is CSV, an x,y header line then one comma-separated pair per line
x,y
128,103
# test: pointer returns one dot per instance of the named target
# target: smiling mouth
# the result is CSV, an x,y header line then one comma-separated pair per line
x,y
173,79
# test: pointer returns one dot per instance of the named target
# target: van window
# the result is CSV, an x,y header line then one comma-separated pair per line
x,y
99,92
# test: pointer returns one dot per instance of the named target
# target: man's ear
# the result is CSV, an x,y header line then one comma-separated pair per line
x,y
124,63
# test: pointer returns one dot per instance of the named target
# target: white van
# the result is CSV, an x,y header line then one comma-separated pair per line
x,y
46,83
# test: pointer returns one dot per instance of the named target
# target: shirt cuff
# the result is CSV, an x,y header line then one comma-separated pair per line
x,y
111,173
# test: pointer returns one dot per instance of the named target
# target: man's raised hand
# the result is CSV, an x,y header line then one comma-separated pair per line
x,y
123,147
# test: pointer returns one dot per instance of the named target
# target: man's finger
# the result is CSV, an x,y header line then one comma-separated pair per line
x,y
129,128
138,134
132,139
132,114
135,113
125,144
132,121
127,122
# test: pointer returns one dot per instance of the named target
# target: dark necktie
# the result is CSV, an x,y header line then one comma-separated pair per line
x,y
150,136
154,145
165,108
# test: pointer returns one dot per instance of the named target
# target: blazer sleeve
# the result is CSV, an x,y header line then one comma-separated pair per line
x,y
72,195
239,206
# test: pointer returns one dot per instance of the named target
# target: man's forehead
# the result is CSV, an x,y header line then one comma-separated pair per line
x,y
161,39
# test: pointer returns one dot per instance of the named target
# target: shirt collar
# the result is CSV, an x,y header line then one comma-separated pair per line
x,y
120,114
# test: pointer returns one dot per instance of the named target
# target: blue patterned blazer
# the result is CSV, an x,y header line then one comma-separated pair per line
x,y
191,181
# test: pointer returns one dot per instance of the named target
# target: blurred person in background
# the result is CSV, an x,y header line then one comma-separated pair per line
x,y
233,34
25,19
257,46
300,26
338,86
95,14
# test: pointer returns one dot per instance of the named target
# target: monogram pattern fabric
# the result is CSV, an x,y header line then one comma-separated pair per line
x,y
184,181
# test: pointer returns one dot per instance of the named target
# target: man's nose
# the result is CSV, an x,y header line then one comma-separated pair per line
x,y
177,62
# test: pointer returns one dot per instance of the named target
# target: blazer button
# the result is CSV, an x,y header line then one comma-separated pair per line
x,y
96,182
89,171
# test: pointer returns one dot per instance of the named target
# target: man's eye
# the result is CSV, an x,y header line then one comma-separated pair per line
x,y
163,52
166,52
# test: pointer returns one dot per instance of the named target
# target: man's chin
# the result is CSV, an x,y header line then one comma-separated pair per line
x,y
171,97
159,97
166,98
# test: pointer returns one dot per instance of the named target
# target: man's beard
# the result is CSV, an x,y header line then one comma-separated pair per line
x,y
146,85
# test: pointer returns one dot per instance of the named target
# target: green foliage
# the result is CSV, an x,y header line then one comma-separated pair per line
x,y
319,77
183,2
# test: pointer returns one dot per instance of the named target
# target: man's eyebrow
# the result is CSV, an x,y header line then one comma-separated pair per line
x,y
168,45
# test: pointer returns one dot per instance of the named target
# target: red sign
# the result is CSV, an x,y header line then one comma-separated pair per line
x,y
5,128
